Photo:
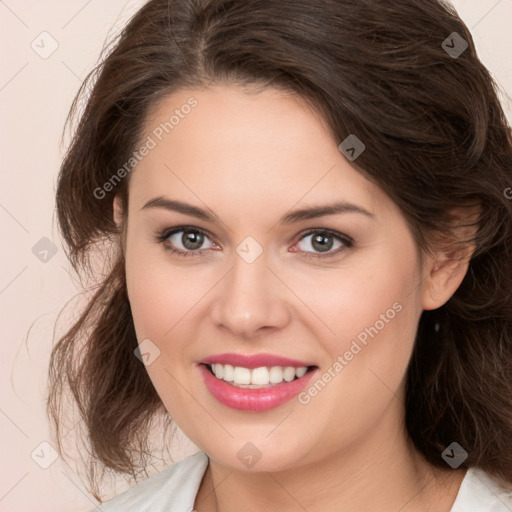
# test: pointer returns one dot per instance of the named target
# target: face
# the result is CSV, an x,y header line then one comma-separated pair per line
x,y
219,264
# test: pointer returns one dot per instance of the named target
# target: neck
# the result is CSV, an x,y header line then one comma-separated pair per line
x,y
382,471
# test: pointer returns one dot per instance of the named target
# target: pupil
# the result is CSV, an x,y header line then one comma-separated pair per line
x,y
322,243
192,240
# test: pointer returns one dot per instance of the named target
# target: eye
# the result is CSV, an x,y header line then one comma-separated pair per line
x,y
186,240
190,241
321,243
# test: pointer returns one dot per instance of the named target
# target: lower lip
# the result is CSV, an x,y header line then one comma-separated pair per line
x,y
247,399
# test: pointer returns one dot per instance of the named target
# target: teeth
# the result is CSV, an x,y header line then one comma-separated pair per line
x,y
242,375
229,372
260,376
276,375
300,372
289,374
257,377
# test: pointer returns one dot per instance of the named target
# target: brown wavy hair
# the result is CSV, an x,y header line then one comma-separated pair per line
x,y
436,139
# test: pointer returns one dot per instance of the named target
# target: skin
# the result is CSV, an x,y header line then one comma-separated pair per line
x,y
250,158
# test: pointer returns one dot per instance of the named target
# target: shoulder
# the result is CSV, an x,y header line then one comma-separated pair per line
x,y
174,488
481,492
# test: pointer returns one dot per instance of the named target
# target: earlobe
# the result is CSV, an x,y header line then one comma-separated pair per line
x,y
444,278
117,211
447,268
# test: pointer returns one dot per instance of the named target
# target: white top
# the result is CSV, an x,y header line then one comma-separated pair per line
x,y
175,488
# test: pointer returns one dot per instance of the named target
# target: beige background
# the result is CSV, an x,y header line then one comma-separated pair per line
x,y
35,95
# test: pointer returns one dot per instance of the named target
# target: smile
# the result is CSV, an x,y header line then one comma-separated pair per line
x,y
249,387
258,377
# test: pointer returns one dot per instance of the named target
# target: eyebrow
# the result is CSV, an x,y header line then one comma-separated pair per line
x,y
289,218
179,206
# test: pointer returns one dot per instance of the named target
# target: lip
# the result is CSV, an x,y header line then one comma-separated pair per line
x,y
254,400
254,360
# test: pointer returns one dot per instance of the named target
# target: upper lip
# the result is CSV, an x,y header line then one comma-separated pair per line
x,y
254,360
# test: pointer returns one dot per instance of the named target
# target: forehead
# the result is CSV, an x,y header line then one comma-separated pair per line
x,y
267,148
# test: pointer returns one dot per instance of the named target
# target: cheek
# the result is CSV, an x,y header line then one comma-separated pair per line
x,y
160,293
374,317
372,310
359,301
161,298
149,294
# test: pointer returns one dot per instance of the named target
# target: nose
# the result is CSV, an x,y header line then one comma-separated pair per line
x,y
250,300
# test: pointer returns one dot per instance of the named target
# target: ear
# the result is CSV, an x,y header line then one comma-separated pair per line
x,y
447,267
118,211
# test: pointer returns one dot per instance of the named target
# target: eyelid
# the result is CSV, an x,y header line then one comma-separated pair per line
x,y
163,236
341,236
346,240
166,233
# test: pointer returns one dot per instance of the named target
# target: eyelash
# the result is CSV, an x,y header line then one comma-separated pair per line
x,y
163,236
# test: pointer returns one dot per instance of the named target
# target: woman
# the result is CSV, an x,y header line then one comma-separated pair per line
x,y
308,239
